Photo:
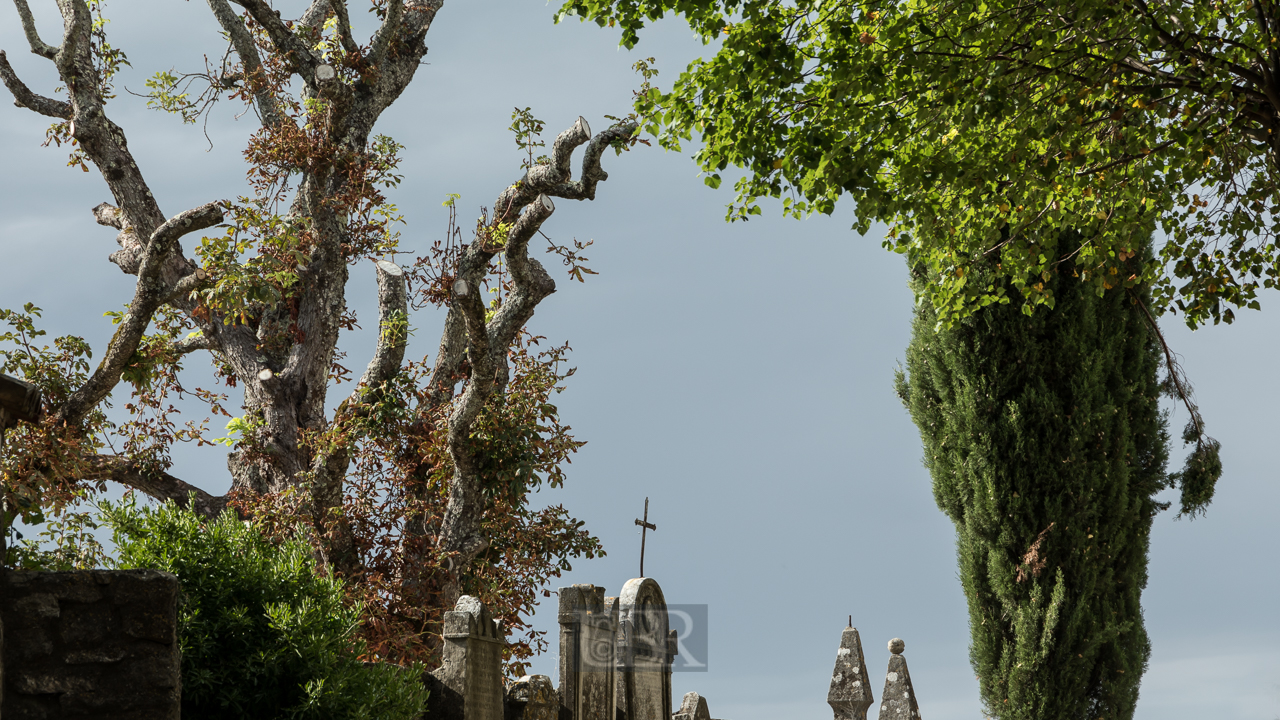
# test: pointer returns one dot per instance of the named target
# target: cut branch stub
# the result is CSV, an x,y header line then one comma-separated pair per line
x,y
390,268
583,126
325,72
108,215
460,287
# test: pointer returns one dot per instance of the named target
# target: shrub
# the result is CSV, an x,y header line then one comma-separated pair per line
x,y
262,635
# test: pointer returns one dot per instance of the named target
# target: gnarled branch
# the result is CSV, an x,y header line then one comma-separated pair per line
x,y
187,221
38,46
155,483
242,41
393,335
313,17
24,97
299,56
532,283
149,295
585,187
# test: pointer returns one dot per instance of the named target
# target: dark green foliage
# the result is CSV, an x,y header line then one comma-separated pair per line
x,y
1047,445
262,636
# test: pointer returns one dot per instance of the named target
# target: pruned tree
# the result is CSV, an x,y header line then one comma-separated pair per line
x,y
263,297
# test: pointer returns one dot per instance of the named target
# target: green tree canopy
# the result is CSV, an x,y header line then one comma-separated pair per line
x,y
981,129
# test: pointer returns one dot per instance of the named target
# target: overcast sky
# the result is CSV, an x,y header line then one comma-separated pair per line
x,y
740,376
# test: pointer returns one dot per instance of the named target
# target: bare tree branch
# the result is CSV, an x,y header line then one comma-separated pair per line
x,y
389,27
344,27
460,527
393,313
187,221
192,344
397,47
532,283
592,173
314,15
155,483
296,53
486,345
187,285
553,179
559,169
242,41
38,46
330,468
148,297
23,97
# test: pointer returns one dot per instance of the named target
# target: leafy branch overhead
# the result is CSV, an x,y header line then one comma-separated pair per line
x,y
981,130
414,487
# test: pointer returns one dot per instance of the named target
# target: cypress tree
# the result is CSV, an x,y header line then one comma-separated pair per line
x,y
1046,445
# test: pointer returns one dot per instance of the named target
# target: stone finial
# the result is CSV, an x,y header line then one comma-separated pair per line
x,y
532,697
899,699
694,707
850,693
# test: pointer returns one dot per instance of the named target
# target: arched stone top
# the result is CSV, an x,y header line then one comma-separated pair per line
x,y
643,611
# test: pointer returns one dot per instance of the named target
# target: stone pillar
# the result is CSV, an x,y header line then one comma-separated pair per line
x,y
468,686
588,624
850,693
899,699
532,697
644,652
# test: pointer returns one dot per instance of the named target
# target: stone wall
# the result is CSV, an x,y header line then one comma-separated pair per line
x,y
90,644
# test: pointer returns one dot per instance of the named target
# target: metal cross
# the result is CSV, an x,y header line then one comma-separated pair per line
x,y
645,526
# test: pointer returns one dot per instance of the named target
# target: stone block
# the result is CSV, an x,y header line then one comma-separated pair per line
x,y
157,624
69,655
84,625
532,697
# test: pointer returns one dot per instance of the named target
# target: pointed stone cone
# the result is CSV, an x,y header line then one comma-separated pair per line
x,y
850,693
899,699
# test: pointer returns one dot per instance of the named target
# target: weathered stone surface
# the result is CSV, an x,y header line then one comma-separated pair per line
x,y
588,625
97,655
899,699
644,652
41,605
532,697
693,707
87,624
850,693
29,683
468,685
68,652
